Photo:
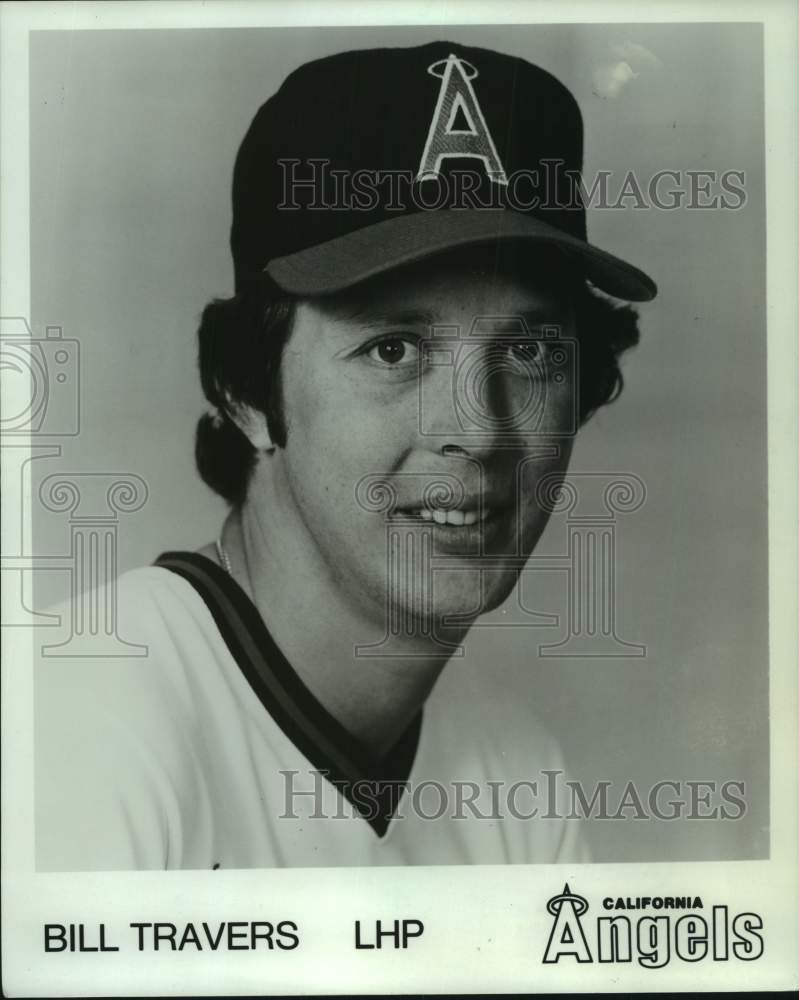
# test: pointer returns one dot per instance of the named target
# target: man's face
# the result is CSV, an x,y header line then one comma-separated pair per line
x,y
423,410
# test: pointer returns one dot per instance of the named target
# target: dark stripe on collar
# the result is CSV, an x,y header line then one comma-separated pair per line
x,y
374,788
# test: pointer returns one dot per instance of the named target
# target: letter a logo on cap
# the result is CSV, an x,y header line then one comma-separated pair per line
x,y
458,128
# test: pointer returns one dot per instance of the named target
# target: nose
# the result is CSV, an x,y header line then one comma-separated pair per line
x,y
476,401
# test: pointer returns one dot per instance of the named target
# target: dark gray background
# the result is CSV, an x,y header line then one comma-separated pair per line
x,y
133,136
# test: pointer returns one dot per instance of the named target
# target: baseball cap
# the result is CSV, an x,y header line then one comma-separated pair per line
x,y
367,160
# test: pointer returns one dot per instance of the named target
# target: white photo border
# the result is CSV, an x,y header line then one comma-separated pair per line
x,y
485,926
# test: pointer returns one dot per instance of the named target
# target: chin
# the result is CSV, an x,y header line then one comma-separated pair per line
x,y
457,597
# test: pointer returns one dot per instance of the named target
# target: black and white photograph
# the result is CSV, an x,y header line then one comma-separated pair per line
x,y
395,452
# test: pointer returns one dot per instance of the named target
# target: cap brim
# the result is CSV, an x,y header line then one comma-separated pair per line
x,y
362,254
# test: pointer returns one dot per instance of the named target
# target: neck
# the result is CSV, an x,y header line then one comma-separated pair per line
x,y
375,697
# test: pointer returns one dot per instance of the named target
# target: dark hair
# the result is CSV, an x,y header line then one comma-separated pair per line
x,y
241,342
605,330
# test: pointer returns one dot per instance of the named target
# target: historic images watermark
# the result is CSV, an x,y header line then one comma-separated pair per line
x,y
313,184
547,795
41,411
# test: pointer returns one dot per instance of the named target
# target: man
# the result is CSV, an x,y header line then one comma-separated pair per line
x,y
395,387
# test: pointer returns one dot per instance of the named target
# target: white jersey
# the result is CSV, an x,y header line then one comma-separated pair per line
x,y
209,752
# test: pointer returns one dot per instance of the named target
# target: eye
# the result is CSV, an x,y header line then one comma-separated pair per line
x,y
394,350
526,351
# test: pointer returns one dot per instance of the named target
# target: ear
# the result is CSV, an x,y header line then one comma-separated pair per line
x,y
252,424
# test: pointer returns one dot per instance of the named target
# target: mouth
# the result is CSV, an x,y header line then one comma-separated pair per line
x,y
460,531
456,517
479,524
475,514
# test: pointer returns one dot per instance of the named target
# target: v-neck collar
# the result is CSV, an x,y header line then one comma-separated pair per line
x,y
373,787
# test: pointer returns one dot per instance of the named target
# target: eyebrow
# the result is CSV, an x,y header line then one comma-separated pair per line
x,y
365,314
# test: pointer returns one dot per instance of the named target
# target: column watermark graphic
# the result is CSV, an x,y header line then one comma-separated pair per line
x,y
589,563
41,412
589,626
94,502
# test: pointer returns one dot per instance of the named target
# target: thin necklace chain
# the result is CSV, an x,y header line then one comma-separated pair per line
x,y
223,557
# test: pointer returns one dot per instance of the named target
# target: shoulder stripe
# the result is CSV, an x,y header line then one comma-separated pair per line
x,y
303,719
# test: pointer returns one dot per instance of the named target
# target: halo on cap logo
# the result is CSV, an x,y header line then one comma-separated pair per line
x,y
458,128
567,936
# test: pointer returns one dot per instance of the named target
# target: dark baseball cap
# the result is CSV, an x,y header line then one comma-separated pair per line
x,y
367,160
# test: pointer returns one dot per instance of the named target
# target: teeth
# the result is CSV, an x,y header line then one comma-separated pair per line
x,y
456,518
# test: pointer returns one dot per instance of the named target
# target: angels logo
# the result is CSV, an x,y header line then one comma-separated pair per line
x,y
651,940
458,128
567,936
